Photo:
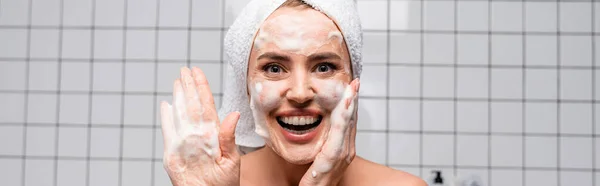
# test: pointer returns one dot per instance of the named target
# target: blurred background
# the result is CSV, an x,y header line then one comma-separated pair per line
x,y
500,90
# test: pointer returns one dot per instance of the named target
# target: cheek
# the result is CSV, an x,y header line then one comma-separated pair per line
x,y
267,95
329,92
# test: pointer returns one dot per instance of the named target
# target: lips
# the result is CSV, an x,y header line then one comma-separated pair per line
x,y
299,124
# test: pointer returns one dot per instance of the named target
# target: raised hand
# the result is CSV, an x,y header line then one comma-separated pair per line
x,y
199,150
338,151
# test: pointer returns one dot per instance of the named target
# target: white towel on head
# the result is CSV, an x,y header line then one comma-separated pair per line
x,y
238,43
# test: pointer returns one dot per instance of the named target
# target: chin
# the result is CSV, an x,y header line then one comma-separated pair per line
x,y
298,139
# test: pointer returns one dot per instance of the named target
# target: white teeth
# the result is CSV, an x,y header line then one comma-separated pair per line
x,y
299,120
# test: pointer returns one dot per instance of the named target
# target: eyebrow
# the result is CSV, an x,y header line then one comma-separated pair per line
x,y
274,56
324,56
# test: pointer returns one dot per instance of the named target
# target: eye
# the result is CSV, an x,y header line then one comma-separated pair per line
x,y
273,68
325,68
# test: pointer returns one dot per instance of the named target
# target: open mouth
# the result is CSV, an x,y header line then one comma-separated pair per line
x,y
299,124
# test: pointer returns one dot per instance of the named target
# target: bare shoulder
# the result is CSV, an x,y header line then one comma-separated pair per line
x,y
364,172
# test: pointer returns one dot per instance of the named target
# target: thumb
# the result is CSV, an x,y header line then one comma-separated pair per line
x,y
227,135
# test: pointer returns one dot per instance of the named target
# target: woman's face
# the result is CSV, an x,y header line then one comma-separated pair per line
x,y
298,68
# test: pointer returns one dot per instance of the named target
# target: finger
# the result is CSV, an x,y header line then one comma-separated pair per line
x,y
227,135
206,97
194,109
179,106
168,129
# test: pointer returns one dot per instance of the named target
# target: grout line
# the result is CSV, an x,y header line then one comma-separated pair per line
x,y
523,95
455,96
123,80
594,154
221,60
90,95
558,95
58,95
26,95
155,94
421,66
387,88
489,96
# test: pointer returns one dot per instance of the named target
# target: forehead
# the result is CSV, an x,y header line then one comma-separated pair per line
x,y
306,21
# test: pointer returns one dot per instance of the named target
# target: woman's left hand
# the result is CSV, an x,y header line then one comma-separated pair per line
x,y
338,150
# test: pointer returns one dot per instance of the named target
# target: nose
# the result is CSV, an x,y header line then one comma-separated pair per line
x,y
301,91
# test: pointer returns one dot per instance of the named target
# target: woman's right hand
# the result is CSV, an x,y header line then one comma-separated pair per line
x,y
199,150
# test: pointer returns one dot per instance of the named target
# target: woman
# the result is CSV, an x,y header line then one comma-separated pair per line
x,y
292,92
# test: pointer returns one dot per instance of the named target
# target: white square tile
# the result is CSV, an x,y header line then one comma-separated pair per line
x,y
541,177
506,16
140,44
376,76
541,151
404,115
372,114
438,149
141,13
38,172
540,49
75,76
74,109
160,175
14,43
405,47
136,173
405,15
233,9
72,142
212,71
472,150
43,75
576,84
366,149
76,44
540,84
374,50
168,72
576,152
158,144
41,108
45,12
438,116
172,44
576,118
575,51
14,13
438,82
109,13
507,177
40,141
71,172
472,176
104,173
12,108
472,83
576,178
472,15
405,81
108,44
507,117
174,13
207,13
13,75
507,151
11,171
139,76
540,16
541,117
206,45
106,109
137,142
108,76
138,110
438,15
375,11
404,149
105,142
472,116
575,17
44,44
472,49
14,134
77,12
507,50
438,49
597,152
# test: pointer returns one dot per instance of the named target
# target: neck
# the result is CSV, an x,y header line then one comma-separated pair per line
x,y
288,172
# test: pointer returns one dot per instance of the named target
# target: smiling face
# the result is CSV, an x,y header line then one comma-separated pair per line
x,y
297,71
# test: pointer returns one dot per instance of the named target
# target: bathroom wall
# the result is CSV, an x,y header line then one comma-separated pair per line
x,y
504,90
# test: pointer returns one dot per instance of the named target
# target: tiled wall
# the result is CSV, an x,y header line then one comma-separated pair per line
x,y
503,89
